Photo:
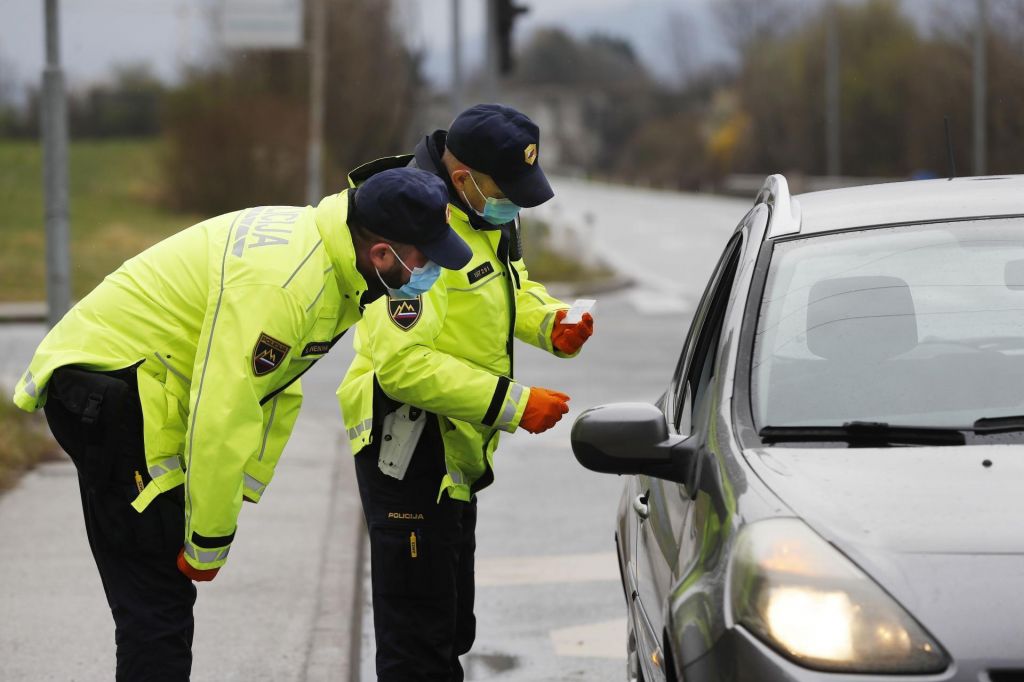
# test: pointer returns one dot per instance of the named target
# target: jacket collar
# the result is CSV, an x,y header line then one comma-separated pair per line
x,y
332,222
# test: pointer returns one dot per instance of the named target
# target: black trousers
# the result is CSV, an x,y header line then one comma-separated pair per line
x,y
97,419
421,556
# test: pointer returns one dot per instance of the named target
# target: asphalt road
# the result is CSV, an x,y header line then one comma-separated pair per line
x,y
549,604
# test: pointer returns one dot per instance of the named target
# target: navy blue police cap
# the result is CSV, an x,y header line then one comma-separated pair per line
x,y
410,206
504,144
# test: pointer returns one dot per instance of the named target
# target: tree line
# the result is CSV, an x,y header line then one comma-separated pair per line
x,y
234,132
899,77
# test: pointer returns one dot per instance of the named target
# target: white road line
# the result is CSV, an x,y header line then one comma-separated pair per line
x,y
540,570
606,639
658,302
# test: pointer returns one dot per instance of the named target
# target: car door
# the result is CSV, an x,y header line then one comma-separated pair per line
x,y
665,544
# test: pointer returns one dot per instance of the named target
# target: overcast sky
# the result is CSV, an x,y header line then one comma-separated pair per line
x,y
167,34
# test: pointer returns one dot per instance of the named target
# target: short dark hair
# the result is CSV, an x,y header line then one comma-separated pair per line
x,y
361,235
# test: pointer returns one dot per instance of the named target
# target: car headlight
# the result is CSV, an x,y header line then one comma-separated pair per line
x,y
804,598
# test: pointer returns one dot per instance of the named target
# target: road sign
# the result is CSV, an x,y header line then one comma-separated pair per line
x,y
261,24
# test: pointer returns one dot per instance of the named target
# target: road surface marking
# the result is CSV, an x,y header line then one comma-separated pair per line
x,y
539,570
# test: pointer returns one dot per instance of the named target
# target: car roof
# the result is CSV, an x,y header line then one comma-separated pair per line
x,y
910,202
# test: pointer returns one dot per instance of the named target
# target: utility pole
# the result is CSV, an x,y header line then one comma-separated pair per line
x,y
55,174
491,54
980,89
456,58
833,149
317,84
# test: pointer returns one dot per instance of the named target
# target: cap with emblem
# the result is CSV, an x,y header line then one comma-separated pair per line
x,y
504,144
410,205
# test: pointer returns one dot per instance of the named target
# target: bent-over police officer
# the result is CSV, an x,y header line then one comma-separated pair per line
x,y
174,384
432,386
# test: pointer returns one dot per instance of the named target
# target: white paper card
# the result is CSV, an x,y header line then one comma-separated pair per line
x,y
575,314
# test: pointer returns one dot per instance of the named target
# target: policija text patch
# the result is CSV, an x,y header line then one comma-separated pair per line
x,y
268,354
405,312
479,272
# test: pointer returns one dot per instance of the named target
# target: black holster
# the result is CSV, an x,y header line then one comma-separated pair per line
x,y
96,418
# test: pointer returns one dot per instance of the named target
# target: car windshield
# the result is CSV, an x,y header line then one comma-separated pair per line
x,y
914,325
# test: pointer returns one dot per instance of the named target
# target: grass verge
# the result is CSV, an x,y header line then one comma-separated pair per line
x,y
115,212
548,264
24,442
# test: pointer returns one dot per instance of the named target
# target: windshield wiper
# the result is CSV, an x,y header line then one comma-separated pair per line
x,y
864,434
1014,422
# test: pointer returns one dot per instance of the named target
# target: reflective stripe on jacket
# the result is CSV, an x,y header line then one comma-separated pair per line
x,y
224,317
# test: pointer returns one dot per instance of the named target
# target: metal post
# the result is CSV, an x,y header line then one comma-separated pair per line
x,y
491,65
456,58
317,84
980,89
55,174
833,149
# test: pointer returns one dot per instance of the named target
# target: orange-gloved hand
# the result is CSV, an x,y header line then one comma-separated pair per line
x,y
568,338
543,409
197,574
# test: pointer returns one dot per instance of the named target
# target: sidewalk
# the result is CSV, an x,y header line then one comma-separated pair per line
x,y
282,608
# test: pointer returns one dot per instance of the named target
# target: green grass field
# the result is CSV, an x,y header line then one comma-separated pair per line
x,y
115,213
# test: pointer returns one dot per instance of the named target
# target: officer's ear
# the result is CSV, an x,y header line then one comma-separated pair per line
x,y
381,256
459,179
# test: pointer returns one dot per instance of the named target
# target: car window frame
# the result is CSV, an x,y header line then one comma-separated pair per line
x,y
713,305
743,407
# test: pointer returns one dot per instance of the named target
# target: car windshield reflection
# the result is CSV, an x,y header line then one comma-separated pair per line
x,y
919,324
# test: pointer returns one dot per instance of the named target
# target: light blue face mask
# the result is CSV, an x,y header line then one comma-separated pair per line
x,y
419,283
496,211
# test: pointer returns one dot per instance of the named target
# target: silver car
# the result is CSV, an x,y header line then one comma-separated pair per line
x,y
832,486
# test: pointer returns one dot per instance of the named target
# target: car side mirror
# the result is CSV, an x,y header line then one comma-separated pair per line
x,y
633,438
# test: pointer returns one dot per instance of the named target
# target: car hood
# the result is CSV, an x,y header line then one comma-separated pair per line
x,y
935,526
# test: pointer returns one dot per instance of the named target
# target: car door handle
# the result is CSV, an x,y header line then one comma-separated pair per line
x,y
640,506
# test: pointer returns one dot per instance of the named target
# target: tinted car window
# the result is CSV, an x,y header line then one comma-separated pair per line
x,y
692,390
920,324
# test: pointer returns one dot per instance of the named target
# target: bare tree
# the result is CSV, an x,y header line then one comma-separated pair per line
x,y
1006,17
746,22
683,39
237,131
8,83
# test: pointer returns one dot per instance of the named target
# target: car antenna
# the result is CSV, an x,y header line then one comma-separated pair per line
x,y
949,149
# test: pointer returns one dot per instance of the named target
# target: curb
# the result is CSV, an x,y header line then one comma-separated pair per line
x,y
331,655
355,644
23,311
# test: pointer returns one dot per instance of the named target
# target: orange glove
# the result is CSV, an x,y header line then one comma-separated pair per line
x,y
197,574
543,409
568,338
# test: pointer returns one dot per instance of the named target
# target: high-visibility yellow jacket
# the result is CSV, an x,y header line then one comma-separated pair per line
x,y
449,351
221,319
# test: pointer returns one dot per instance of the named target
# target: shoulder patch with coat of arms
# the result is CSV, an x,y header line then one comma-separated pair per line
x,y
268,354
405,312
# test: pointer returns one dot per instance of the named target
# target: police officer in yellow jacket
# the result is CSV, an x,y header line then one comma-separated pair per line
x,y
432,386
174,384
